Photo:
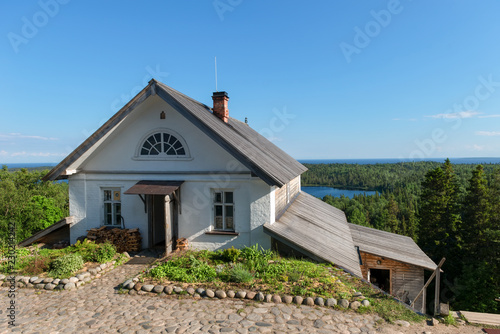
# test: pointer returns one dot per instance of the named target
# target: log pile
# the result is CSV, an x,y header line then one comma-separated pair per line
x,y
125,240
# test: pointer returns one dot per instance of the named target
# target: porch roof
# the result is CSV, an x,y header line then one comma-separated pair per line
x,y
154,187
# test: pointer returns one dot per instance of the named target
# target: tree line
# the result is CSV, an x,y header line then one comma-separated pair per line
x,y
451,211
29,202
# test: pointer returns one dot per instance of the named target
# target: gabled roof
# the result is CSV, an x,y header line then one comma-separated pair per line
x,y
317,229
390,245
258,154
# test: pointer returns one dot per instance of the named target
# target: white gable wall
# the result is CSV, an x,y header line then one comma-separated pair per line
x,y
114,165
118,152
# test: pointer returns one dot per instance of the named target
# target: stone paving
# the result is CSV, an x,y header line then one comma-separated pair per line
x,y
97,307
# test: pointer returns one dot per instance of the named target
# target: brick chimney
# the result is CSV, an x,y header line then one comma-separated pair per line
x,y
220,105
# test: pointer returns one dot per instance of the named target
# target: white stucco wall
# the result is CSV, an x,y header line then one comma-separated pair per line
x,y
114,165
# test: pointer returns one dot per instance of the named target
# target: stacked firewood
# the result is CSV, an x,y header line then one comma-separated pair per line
x,y
125,240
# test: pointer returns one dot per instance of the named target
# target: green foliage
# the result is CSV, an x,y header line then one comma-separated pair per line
x,y
450,210
65,266
391,311
104,252
185,269
239,274
29,202
87,249
230,254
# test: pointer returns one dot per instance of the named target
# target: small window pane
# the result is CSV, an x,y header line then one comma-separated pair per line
x,y
218,223
228,197
171,151
218,198
118,213
181,151
107,195
177,145
166,137
172,140
218,210
158,137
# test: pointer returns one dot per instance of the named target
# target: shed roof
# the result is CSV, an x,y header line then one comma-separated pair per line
x,y
46,231
317,228
390,245
258,154
154,187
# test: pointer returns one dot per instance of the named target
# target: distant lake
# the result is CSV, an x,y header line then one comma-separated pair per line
x,y
335,192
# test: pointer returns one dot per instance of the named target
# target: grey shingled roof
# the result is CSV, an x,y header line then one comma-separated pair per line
x,y
258,154
390,245
317,228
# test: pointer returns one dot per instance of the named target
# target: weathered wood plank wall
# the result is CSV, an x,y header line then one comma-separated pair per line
x,y
404,277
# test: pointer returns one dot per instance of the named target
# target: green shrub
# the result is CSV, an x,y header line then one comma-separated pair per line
x,y
66,265
239,274
201,271
230,255
104,253
86,249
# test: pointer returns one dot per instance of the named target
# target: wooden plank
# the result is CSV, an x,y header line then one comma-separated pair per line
x,y
317,227
40,234
481,318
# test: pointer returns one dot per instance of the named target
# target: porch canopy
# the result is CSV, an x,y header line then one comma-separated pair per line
x,y
154,188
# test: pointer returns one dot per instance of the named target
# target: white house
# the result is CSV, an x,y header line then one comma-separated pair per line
x,y
175,168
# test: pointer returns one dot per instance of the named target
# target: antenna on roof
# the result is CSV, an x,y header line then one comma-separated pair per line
x,y
216,74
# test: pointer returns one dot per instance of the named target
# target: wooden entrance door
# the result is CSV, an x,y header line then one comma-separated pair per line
x,y
162,222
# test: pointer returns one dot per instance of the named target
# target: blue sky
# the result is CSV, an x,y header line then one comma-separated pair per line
x,y
321,79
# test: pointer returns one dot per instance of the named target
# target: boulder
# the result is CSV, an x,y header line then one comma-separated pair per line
x,y
157,288
330,302
220,294
319,301
69,286
147,287
344,303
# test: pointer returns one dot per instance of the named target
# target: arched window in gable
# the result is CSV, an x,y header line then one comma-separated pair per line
x,y
163,144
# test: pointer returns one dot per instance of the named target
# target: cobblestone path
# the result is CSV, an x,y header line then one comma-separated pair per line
x,y
97,307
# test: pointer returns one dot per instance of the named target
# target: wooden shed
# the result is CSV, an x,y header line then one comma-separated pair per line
x,y
393,262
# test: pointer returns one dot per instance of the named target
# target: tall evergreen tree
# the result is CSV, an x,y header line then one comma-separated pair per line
x,y
439,213
479,284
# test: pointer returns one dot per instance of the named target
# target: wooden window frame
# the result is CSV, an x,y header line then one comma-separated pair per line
x,y
113,202
215,203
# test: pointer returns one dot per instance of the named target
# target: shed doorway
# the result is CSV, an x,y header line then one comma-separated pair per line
x,y
380,278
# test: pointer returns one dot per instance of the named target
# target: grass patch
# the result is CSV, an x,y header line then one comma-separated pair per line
x,y
253,268
60,263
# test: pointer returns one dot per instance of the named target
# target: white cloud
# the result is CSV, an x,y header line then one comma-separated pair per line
x,y
475,147
489,116
36,154
9,136
452,115
3,153
488,133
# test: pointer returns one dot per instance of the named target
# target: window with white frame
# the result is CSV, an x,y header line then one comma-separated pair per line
x,y
223,210
112,207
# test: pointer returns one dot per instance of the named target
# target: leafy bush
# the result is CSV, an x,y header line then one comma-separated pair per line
x,y
239,274
104,253
66,265
87,249
201,271
230,255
